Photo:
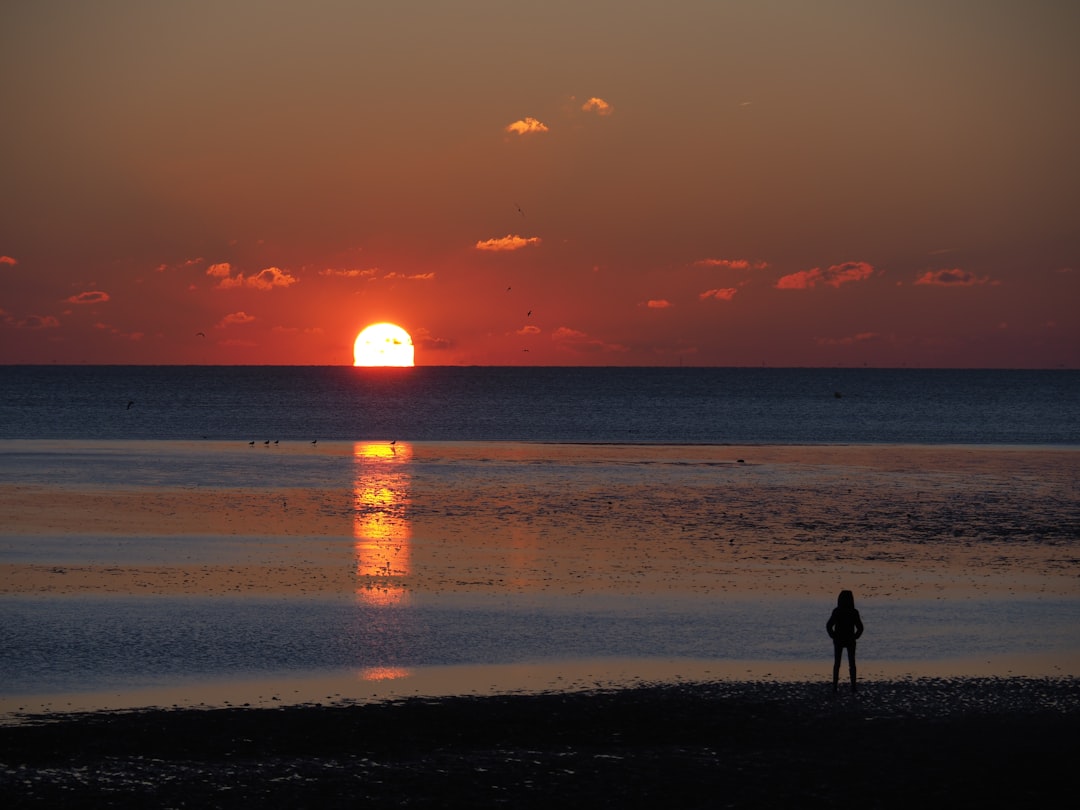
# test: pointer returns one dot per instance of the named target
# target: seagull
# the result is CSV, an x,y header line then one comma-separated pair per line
x,y
200,334
316,441
528,314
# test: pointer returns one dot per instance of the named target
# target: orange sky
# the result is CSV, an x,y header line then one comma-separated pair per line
x,y
704,183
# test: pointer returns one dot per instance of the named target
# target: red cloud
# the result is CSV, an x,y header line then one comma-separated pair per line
x,y
952,278
834,276
37,322
269,278
598,106
350,273
732,264
8,260
527,126
235,318
508,242
265,279
579,342
660,303
89,297
725,294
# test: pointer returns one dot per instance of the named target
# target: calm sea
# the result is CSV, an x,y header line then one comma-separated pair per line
x,y
655,405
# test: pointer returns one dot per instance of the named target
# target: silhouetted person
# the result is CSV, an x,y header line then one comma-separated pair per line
x,y
844,627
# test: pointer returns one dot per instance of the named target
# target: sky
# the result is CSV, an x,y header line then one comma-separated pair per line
x,y
700,183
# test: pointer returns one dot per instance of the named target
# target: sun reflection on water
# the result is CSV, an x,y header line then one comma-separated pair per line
x,y
381,528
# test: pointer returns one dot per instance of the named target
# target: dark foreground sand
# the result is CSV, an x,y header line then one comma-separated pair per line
x,y
927,742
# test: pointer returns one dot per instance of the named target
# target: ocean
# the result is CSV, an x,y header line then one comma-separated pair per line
x,y
170,526
655,405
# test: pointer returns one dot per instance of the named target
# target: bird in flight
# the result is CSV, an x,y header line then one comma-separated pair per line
x,y
130,403
200,334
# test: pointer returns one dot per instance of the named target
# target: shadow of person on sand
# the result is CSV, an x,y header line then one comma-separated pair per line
x,y
844,628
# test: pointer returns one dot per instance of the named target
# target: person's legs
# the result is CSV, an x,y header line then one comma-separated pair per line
x,y
851,664
838,652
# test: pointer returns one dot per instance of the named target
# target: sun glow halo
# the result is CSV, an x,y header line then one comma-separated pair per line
x,y
383,344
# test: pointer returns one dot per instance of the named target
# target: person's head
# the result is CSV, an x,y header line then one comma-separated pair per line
x,y
846,600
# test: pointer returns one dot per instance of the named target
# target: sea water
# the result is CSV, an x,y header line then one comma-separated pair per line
x,y
92,426
663,405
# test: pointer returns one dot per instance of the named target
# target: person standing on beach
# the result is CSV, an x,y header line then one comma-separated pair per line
x,y
844,628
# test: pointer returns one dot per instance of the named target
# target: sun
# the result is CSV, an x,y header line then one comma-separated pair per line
x,y
383,344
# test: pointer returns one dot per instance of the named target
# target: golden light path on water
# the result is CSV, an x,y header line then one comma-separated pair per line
x,y
381,527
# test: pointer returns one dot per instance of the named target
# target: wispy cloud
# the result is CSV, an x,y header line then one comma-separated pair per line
x,y
579,342
8,260
369,272
234,319
733,264
423,338
161,268
88,297
658,303
528,330
598,106
527,126
412,277
954,277
271,277
722,294
34,322
833,276
266,279
508,242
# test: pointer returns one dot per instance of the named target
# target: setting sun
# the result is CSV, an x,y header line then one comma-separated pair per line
x,y
383,344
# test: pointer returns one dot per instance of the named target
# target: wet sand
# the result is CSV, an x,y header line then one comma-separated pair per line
x,y
896,522
385,525
944,742
883,521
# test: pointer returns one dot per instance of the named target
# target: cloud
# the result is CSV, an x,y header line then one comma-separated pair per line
x,y
834,276
8,260
265,279
581,343
35,322
952,278
423,339
271,277
88,297
724,294
658,303
528,330
598,106
508,242
527,126
161,268
850,340
235,318
354,273
413,277
733,264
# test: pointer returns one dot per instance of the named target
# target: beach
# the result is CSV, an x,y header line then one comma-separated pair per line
x,y
945,742
667,604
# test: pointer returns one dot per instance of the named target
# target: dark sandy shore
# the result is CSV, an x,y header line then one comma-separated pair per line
x,y
925,742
